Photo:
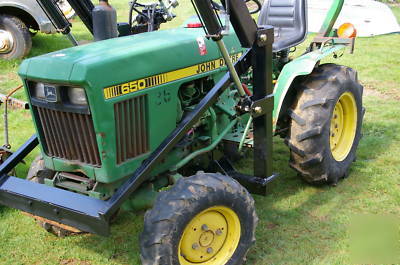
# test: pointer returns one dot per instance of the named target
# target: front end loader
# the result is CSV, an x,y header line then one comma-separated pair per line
x,y
158,118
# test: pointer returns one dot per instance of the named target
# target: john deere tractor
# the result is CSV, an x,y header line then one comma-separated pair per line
x,y
156,119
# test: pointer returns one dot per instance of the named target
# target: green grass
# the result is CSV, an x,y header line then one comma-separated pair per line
x,y
298,224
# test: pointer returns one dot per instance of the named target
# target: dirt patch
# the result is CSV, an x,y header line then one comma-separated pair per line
x,y
73,262
370,90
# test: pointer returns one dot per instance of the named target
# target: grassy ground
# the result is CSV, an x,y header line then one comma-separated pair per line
x,y
298,224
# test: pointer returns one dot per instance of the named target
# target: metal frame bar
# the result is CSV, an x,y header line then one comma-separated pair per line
x,y
263,90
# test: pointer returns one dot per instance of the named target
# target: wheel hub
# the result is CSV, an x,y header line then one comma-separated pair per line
x,y
6,41
206,238
343,126
210,237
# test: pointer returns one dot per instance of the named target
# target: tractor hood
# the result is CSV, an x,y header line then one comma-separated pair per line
x,y
164,59
118,60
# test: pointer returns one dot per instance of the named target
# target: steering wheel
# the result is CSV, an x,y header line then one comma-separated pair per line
x,y
134,7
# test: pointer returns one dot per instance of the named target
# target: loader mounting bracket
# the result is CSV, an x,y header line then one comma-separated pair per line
x,y
253,184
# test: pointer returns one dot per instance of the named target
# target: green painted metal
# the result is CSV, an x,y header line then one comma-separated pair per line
x,y
330,19
145,197
93,67
205,149
245,133
302,65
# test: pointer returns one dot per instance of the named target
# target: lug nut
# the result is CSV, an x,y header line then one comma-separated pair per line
x,y
195,246
209,250
204,227
218,232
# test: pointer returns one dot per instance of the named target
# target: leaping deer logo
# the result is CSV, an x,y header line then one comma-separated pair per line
x,y
51,94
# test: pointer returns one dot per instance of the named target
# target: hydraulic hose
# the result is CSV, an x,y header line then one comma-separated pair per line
x,y
6,140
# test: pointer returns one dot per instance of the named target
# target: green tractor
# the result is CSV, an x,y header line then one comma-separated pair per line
x,y
157,120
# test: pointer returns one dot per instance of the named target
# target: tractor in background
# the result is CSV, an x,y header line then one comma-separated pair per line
x,y
156,119
20,20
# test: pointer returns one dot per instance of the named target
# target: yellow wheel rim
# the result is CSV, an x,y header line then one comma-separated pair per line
x,y
343,126
211,237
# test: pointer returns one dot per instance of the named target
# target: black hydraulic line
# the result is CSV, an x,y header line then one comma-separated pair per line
x,y
206,13
243,23
83,8
56,16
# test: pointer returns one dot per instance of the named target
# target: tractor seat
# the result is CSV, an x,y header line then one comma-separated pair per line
x,y
289,18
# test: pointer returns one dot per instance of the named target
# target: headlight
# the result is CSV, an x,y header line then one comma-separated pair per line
x,y
39,91
77,96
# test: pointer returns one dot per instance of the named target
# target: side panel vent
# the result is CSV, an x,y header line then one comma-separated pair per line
x,y
131,128
69,136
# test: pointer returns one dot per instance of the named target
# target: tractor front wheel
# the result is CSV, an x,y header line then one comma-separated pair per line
x,y
15,39
204,219
326,124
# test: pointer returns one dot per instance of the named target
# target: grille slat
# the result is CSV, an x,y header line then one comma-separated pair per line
x,y
92,139
73,132
48,134
86,141
131,128
78,128
57,134
69,136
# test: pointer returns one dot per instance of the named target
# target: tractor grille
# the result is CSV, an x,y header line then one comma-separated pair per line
x,y
69,136
131,128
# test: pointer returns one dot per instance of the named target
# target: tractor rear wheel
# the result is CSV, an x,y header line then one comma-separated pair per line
x,y
204,219
326,124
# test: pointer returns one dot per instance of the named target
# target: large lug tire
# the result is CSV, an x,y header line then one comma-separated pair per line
x,y
35,169
204,219
326,122
15,38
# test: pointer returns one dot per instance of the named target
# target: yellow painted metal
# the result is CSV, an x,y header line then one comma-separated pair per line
x,y
210,238
343,126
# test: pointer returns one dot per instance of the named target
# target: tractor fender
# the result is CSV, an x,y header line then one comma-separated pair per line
x,y
300,66
29,12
